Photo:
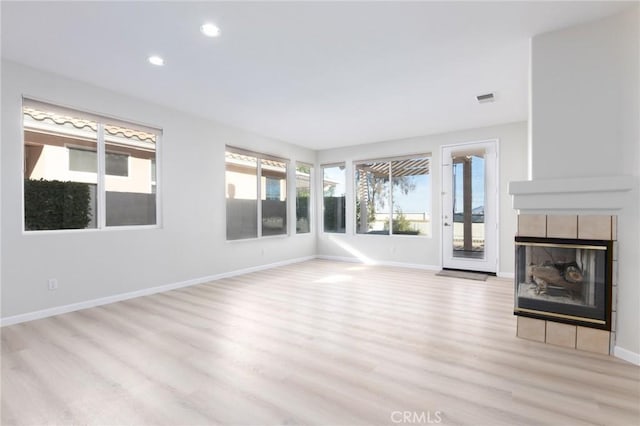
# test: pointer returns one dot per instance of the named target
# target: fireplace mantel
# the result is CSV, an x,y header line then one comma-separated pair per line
x,y
594,193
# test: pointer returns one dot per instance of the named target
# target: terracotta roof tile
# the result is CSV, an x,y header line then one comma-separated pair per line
x,y
80,123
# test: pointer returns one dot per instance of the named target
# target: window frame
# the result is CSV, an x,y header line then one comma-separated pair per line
x,y
390,160
100,119
259,157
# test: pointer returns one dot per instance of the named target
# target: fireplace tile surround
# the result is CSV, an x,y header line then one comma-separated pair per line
x,y
560,334
584,227
600,227
565,226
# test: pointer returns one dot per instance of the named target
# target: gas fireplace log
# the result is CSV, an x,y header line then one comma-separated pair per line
x,y
568,276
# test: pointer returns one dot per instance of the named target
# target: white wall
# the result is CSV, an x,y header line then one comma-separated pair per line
x,y
584,109
95,264
585,123
426,252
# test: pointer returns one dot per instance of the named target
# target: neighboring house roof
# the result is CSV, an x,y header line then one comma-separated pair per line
x,y
80,123
249,160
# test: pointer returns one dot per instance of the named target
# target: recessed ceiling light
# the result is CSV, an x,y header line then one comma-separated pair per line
x,y
156,60
210,30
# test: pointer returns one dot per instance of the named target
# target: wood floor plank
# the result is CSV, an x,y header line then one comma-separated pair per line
x,y
318,343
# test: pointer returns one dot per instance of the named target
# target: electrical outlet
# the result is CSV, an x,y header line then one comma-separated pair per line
x,y
52,284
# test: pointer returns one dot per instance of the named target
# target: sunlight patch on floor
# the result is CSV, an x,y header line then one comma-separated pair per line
x,y
354,252
337,278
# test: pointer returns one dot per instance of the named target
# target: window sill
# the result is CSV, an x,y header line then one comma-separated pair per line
x,y
412,236
91,230
254,239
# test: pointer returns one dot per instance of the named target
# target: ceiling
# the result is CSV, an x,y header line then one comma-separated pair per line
x,y
316,74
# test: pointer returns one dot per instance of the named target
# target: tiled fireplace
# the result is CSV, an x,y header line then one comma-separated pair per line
x,y
565,285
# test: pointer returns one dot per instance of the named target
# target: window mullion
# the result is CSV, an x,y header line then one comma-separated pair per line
x,y
259,192
101,189
310,216
390,199
287,204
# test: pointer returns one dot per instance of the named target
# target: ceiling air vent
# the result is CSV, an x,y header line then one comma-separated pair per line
x,y
483,99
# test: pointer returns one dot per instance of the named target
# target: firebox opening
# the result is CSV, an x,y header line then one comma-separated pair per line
x,y
564,280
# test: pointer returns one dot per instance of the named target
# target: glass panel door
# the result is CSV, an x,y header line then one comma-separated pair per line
x,y
469,206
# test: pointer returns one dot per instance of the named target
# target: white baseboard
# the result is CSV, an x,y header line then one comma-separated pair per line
x,y
410,265
626,355
381,262
509,275
339,258
57,310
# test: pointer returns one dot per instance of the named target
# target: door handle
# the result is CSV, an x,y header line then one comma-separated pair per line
x,y
446,224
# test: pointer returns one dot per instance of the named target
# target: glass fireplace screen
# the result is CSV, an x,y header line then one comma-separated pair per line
x,y
564,280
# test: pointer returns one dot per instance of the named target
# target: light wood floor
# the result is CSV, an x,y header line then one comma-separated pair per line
x,y
313,343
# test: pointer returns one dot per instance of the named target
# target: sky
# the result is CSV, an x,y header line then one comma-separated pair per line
x,y
416,201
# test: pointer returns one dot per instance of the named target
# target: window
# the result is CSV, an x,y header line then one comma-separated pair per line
x,y
116,164
84,160
393,197
66,186
334,189
153,176
251,177
273,187
372,198
241,173
303,198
